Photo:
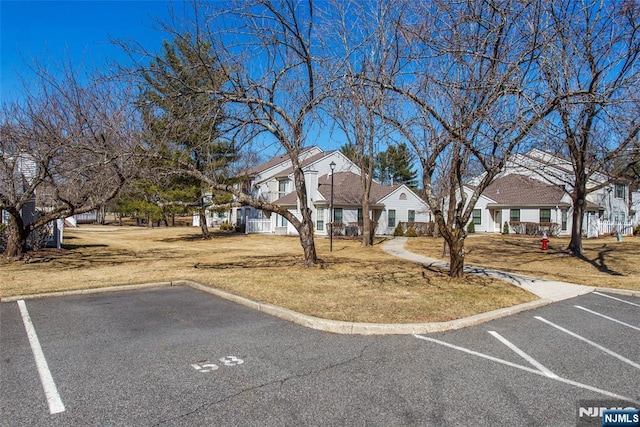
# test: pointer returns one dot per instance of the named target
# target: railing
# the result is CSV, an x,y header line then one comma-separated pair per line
x,y
258,226
535,228
612,227
421,228
352,229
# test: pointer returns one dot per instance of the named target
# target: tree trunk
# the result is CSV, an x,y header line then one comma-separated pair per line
x,y
17,235
579,201
101,215
306,229
367,233
454,241
308,244
203,224
456,257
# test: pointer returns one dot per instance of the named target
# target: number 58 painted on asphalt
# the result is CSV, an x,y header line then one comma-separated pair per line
x,y
206,366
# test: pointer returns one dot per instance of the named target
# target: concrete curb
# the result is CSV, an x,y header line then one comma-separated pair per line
x,y
327,325
624,292
356,328
87,291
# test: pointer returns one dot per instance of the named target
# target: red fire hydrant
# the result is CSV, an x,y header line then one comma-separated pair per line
x,y
545,242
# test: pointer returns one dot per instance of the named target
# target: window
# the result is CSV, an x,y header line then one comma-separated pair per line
x,y
403,196
282,187
320,219
564,219
337,215
412,216
392,218
545,215
477,217
282,221
360,216
620,191
514,215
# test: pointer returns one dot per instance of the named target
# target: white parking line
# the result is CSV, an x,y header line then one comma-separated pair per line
x,y
617,299
528,369
607,317
50,390
524,355
598,346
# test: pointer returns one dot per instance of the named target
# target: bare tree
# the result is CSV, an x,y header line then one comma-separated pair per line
x,y
277,85
362,36
272,89
66,144
466,96
590,63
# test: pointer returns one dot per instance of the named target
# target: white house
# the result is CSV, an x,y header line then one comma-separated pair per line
x,y
532,189
23,169
514,199
273,182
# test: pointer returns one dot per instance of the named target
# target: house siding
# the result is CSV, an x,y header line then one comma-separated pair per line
x,y
402,206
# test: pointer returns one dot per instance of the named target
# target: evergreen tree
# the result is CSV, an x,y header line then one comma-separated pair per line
x,y
349,151
396,166
183,118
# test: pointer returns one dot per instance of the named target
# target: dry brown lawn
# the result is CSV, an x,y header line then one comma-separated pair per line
x,y
355,284
606,262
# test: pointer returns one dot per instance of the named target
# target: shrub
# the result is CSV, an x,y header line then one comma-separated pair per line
x,y
535,228
399,231
636,230
505,228
411,233
353,230
422,228
471,228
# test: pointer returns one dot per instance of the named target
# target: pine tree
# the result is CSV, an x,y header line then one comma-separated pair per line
x,y
182,117
396,166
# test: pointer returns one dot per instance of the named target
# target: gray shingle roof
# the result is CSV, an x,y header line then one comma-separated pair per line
x,y
520,190
346,190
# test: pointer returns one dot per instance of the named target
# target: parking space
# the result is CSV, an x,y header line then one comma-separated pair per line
x,y
176,356
590,343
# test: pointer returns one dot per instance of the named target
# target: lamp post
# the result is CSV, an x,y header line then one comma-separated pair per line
x,y
332,165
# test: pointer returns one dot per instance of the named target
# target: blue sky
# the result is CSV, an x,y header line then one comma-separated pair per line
x,y
81,30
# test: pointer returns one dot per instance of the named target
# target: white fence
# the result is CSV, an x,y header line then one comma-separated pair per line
x,y
611,227
258,226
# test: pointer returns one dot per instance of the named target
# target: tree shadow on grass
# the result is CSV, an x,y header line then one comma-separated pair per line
x,y
600,262
263,261
197,237
72,247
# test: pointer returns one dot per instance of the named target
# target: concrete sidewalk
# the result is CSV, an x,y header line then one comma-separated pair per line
x,y
546,289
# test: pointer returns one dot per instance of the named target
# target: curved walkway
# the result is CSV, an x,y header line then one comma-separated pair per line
x,y
546,289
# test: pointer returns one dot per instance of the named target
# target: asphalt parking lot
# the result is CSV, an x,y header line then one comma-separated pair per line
x,y
180,357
